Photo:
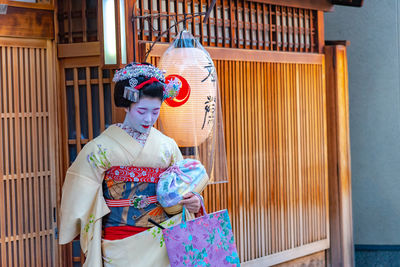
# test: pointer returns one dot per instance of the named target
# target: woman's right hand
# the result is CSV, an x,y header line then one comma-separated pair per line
x,y
192,202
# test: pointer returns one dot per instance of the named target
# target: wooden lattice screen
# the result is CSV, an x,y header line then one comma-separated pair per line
x,y
234,24
77,21
88,96
27,153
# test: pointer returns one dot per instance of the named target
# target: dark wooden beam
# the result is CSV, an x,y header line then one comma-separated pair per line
x,y
323,5
355,3
338,42
28,23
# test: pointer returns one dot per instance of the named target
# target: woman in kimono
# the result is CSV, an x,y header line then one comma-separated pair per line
x,y
109,193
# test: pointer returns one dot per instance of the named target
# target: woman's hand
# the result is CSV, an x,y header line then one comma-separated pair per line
x,y
191,202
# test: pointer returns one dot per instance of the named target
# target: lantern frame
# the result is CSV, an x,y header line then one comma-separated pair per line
x,y
126,31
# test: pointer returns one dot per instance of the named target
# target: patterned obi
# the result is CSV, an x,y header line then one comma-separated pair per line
x,y
130,193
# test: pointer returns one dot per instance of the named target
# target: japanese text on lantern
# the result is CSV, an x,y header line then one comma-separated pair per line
x,y
211,71
209,108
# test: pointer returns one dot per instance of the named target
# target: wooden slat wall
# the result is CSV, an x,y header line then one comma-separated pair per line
x,y
27,159
274,120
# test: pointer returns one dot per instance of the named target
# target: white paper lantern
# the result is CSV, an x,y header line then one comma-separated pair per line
x,y
190,117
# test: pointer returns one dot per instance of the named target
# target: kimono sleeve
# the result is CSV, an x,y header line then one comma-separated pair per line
x,y
83,204
176,153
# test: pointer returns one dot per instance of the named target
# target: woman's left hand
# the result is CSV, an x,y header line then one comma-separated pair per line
x,y
191,202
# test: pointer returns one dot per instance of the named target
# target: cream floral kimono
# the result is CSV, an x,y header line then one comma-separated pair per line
x,y
83,205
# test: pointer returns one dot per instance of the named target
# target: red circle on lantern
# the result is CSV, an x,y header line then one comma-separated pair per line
x,y
184,92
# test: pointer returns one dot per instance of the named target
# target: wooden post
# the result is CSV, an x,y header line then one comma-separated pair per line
x,y
320,29
341,252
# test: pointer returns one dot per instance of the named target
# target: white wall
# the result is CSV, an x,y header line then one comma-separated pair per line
x,y
374,93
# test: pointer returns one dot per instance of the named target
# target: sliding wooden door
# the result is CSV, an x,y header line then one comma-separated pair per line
x,y
27,153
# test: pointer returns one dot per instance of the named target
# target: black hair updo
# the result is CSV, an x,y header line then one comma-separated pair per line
x,y
153,90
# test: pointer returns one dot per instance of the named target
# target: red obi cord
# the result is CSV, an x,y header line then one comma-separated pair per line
x,y
120,232
134,174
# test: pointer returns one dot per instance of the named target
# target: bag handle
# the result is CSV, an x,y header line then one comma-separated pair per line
x,y
202,206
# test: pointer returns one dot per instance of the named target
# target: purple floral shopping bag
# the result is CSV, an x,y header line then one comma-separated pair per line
x,y
204,241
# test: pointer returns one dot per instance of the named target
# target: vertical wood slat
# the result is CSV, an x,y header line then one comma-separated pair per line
x,y
8,149
84,21
36,150
77,111
89,103
244,12
101,100
18,84
41,159
69,14
3,166
209,25
319,20
52,154
30,162
252,39
22,212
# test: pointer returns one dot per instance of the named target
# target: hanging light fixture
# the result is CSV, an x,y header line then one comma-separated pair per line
x,y
117,32
190,117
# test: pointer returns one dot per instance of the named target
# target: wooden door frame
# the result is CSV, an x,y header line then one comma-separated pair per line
x,y
341,252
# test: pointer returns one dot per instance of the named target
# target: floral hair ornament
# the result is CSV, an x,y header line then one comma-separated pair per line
x,y
172,87
133,70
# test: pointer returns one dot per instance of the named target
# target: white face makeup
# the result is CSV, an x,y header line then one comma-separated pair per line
x,y
143,114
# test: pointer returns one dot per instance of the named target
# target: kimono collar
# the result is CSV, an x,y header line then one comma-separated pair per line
x,y
141,138
128,143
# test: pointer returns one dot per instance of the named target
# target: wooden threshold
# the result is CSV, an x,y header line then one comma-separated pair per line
x,y
288,255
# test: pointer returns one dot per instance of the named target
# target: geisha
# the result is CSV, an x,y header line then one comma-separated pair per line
x,y
109,193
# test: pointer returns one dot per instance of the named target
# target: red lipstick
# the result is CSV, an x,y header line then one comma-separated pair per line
x,y
145,126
